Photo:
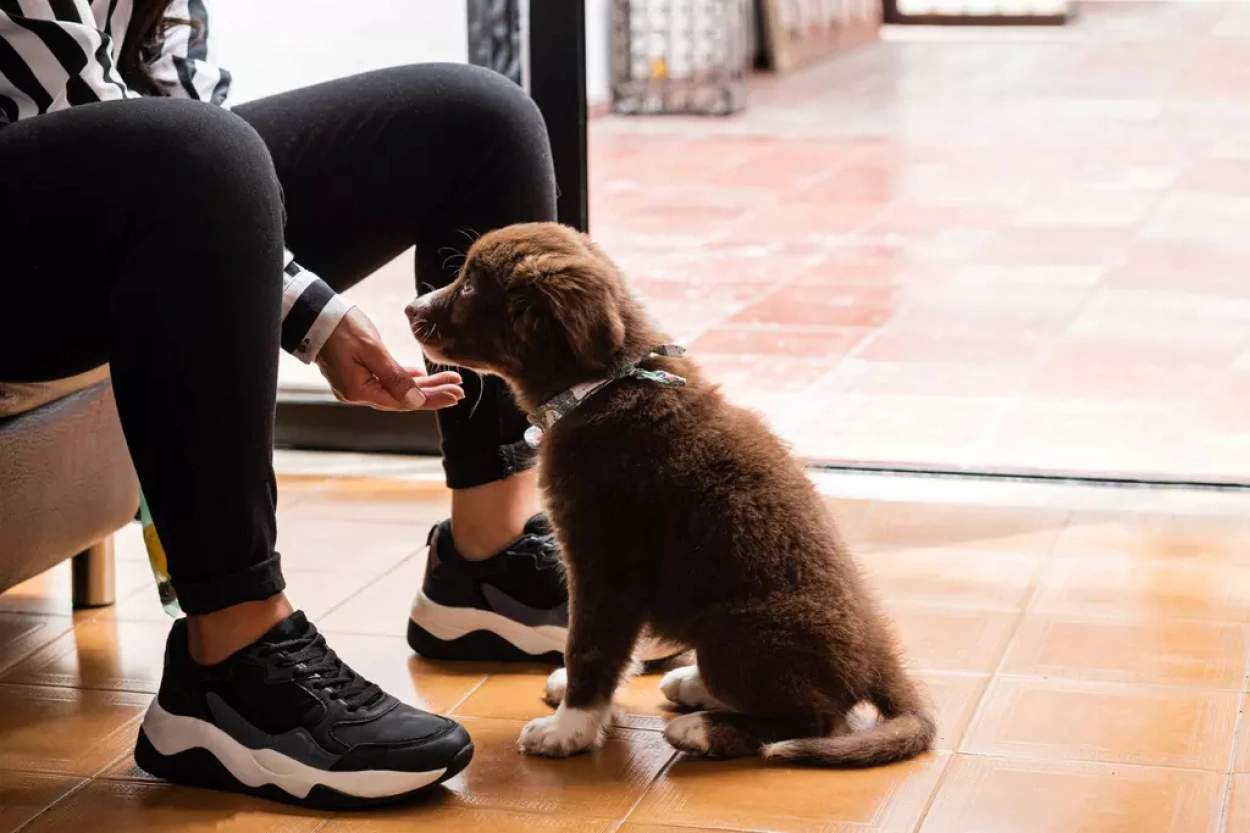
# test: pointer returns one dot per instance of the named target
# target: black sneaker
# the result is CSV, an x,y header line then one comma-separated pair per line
x,y
513,606
286,719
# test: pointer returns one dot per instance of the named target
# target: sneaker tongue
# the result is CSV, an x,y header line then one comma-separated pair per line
x,y
292,627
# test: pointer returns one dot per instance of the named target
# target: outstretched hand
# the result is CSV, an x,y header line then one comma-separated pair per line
x,y
361,370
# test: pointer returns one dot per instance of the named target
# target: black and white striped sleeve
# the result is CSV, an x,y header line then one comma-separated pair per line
x,y
310,311
53,56
186,66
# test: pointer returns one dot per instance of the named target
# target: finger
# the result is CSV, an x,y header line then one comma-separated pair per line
x,y
393,376
437,400
447,377
454,391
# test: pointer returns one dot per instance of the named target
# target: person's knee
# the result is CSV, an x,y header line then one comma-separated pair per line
x,y
479,107
205,154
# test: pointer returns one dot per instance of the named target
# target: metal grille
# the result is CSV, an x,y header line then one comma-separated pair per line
x,y
495,36
680,56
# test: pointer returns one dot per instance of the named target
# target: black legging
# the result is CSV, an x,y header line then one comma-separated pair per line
x,y
148,234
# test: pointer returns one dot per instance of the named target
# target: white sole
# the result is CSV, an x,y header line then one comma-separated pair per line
x,y
172,734
449,623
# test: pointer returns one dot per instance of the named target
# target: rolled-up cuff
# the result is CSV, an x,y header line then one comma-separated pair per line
x,y
254,584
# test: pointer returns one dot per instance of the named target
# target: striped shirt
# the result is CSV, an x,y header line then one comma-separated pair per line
x,y
56,54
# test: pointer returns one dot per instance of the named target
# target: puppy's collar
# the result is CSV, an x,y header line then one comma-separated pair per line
x,y
547,414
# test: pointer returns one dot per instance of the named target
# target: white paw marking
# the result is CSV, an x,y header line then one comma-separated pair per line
x,y
688,733
557,682
684,686
564,733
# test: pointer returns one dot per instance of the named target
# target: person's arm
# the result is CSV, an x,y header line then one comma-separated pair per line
x,y
57,57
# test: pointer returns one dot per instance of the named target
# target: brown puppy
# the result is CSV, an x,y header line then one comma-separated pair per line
x,y
677,512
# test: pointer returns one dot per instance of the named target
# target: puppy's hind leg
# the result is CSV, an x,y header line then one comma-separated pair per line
x,y
723,734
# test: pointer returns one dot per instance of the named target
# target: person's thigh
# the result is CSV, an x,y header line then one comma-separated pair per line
x,y
430,154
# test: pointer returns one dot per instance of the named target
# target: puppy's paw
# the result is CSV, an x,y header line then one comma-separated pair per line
x,y
557,682
565,733
684,687
688,733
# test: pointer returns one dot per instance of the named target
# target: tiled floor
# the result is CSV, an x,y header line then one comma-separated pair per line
x,y
1086,652
1019,252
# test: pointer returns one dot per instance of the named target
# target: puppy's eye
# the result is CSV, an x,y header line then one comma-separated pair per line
x,y
466,287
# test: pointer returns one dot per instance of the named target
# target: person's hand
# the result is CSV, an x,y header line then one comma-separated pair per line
x,y
360,369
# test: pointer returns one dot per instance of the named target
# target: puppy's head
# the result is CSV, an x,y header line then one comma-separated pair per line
x,y
538,304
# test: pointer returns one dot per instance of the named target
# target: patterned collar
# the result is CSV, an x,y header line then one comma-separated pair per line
x,y
547,414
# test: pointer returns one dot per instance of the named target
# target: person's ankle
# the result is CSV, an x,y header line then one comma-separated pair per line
x,y
213,637
487,518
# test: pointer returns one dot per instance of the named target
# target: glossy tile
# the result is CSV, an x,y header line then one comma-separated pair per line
x,y
24,795
954,699
141,807
604,785
101,653
984,794
1152,651
752,795
1105,722
1145,587
63,730
451,815
51,592
517,695
950,639
950,577
23,633
382,606
1239,806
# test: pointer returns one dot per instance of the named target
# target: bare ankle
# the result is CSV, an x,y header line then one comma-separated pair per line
x,y
485,519
213,637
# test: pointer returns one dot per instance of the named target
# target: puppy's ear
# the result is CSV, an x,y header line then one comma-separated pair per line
x,y
588,312
577,299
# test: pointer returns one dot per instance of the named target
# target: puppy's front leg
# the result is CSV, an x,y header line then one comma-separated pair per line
x,y
604,624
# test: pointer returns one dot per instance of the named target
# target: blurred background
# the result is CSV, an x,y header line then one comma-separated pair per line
x,y
912,245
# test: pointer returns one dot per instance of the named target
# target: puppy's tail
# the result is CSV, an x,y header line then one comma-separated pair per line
x,y
905,730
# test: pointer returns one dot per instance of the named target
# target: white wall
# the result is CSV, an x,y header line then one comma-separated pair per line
x,y
598,32
275,45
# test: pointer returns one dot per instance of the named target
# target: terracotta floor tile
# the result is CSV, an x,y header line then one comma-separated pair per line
x,y
23,633
943,577
984,794
602,786
1104,722
383,606
102,653
1239,806
63,730
1156,651
825,343
751,795
998,528
340,545
1241,760
51,592
517,695
954,698
141,807
24,795
454,816
371,499
1151,588
949,639
1217,539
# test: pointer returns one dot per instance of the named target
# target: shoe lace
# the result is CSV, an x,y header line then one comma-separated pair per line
x,y
319,668
543,548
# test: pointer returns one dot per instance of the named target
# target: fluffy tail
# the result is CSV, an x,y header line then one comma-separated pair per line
x,y
905,730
